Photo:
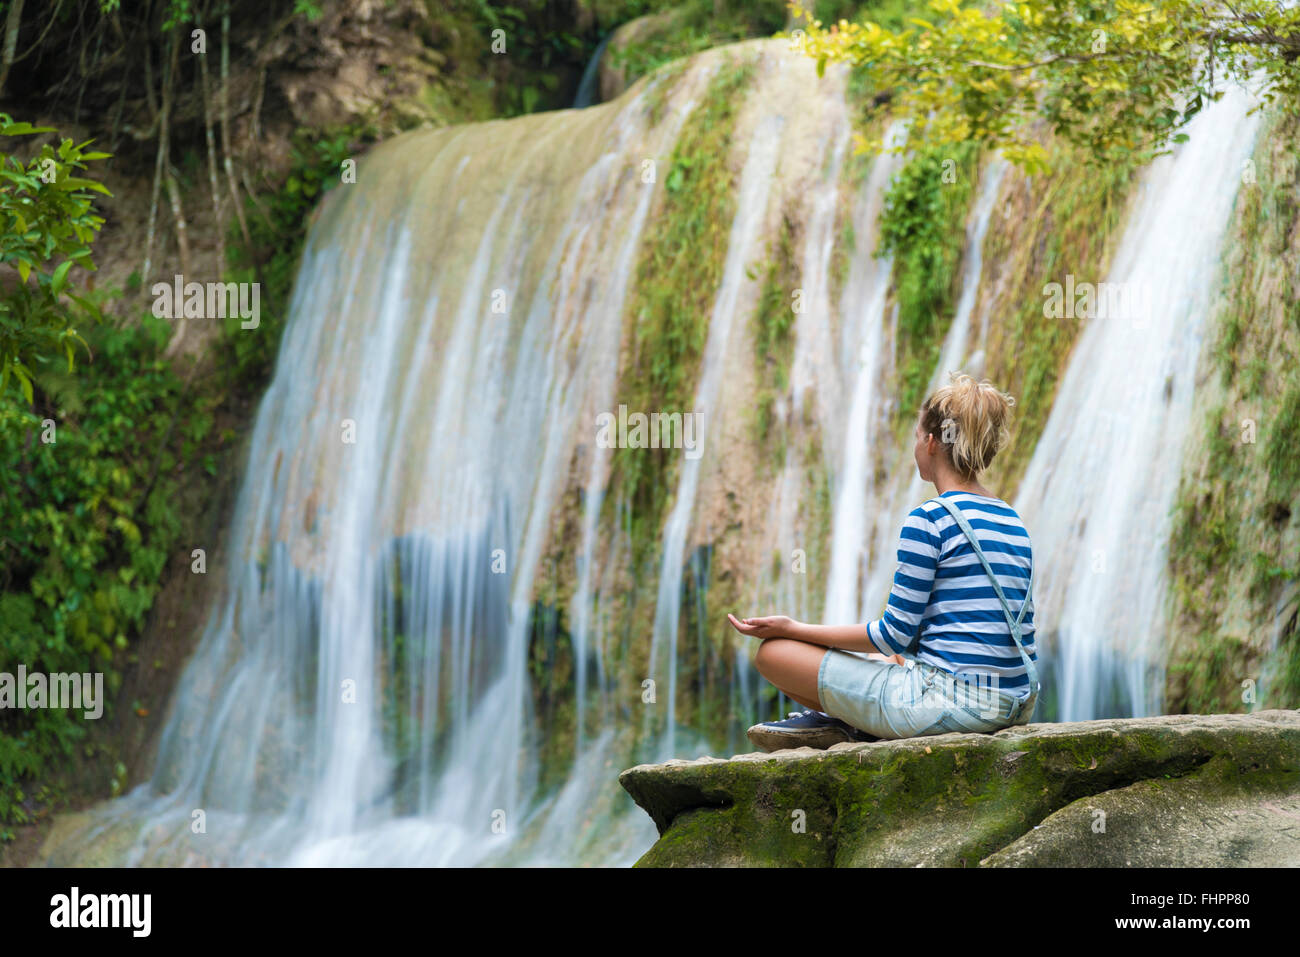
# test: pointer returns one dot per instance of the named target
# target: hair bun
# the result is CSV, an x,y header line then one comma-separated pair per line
x,y
971,419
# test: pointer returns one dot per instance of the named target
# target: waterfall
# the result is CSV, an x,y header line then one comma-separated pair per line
x,y
788,589
751,206
861,348
1097,494
361,692
589,85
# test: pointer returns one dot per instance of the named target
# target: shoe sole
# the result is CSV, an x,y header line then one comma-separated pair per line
x,y
769,739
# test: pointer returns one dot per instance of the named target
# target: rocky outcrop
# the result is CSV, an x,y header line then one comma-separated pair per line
x,y
1183,790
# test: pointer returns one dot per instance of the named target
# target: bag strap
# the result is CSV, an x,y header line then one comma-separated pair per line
x,y
1031,670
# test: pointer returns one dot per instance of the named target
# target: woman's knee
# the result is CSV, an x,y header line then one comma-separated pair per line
x,y
785,658
768,654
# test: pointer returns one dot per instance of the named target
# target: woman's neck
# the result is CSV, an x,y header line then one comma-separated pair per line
x,y
946,481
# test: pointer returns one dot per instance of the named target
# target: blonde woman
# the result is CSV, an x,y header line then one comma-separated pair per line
x,y
960,608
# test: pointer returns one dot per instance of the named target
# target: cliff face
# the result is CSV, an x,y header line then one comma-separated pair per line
x,y
1184,790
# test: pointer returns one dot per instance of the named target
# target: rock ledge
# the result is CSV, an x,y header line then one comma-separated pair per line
x,y
1179,790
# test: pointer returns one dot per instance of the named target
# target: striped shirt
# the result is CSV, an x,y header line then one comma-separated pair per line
x,y
941,588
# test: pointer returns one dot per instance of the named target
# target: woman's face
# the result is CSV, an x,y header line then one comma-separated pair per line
x,y
923,454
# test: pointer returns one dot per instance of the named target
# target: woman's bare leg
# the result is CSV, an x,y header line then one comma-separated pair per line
x,y
792,666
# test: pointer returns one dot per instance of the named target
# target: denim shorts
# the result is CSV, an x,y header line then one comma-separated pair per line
x,y
889,700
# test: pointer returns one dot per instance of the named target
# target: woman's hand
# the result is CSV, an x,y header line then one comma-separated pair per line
x,y
773,626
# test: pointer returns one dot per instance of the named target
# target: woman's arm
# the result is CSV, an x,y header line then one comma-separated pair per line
x,y
848,637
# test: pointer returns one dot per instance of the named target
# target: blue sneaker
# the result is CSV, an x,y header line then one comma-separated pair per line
x,y
804,729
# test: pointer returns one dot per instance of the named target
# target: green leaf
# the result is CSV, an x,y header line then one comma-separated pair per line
x,y
60,276
24,383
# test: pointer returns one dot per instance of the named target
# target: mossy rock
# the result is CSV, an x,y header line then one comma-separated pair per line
x,y
1200,790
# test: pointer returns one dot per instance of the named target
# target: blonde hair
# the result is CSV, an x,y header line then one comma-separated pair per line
x,y
970,419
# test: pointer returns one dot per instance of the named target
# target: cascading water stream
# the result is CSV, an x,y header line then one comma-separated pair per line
x,y
593,497
589,85
362,694
788,588
751,207
1097,494
861,348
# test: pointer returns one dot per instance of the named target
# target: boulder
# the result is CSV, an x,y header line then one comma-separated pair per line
x,y
1179,790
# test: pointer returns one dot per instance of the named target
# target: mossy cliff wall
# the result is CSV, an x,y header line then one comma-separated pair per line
x,y
1187,790
1236,536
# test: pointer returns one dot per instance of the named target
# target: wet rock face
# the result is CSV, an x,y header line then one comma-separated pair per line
x,y
1182,790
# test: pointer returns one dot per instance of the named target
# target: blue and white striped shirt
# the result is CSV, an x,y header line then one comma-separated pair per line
x,y
941,587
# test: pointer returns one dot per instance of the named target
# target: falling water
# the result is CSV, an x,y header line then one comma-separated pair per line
x,y
361,692
1098,492
782,586
360,695
861,430
755,183
589,85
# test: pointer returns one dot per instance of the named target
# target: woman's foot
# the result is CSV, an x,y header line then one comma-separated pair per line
x,y
804,729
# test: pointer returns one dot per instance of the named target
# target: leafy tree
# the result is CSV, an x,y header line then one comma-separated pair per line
x,y
48,225
90,511
1115,76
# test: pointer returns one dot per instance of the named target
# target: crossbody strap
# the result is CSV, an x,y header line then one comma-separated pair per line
x,y
1031,670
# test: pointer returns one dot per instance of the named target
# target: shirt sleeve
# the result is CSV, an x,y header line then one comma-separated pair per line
x,y
918,559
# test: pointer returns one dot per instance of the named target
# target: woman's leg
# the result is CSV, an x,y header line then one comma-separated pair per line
x,y
792,666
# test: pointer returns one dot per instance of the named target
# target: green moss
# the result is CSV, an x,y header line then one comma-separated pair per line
x,y
1232,555
1285,685
923,227
680,269
1060,223
773,349
1282,449
1210,674
949,800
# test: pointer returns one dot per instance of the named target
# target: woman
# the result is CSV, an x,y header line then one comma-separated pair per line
x,y
960,607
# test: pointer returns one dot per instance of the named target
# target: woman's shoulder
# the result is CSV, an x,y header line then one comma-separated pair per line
x,y
966,501
975,507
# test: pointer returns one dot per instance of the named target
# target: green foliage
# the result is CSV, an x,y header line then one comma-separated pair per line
x,y
88,523
923,226
534,32
310,9
542,48
49,224
677,278
1115,76
774,323
1062,223
888,13
1282,452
